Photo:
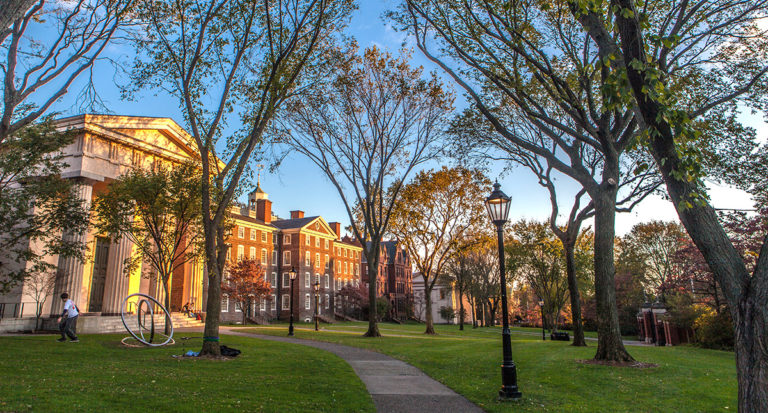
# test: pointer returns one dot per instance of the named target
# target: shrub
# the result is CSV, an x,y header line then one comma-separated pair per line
x,y
714,330
447,313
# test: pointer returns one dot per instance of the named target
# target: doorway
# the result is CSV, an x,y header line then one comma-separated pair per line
x,y
100,259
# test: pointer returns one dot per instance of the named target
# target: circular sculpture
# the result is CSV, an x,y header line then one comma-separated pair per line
x,y
144,313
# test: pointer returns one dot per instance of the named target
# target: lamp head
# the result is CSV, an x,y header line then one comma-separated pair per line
x,y
292,273
497,205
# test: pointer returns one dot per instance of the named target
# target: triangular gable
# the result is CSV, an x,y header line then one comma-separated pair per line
x,y
319,226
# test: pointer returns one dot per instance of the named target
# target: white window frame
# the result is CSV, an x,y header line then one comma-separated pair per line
x,y
317,260
317,242
307,240
307,258
252,234
286,280
327,301
327,261
286,301
240,252
241,232
345,253
346,268
264,256
252,253
327,281
274,257
327,243
287,239
307,302
307,279
286,258
317,278
225,303
263,236
273,304
274,280
263,304
357,269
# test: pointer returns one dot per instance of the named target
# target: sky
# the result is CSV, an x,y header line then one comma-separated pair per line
x,y
299,184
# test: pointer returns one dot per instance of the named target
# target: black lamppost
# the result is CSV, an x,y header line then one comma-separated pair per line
x,y
541,306
317,303
497,205
292,275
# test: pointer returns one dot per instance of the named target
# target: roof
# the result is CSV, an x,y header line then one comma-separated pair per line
x,y
293,223
251,219
258,189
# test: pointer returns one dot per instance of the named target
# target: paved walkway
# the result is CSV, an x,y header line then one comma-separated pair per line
x,y
395,386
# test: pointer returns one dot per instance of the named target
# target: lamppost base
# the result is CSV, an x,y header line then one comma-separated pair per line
x,y
509,393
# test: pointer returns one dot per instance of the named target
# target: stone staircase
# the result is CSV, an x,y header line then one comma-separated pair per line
x,y
95,324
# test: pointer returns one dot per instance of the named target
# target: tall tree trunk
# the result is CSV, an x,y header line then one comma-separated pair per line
x,y
167,304
215,252
461,311
428,301
573,289
609,344
473,309
373,278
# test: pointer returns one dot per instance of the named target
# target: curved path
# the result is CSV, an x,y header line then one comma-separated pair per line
x,y
394,385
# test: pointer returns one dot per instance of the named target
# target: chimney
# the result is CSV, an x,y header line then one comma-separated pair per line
x,y
336,227
297,214
264,210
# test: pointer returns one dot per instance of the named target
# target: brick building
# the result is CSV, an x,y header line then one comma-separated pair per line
x,y
395,280
309,245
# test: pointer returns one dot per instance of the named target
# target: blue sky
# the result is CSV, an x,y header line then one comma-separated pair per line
x,y
300,185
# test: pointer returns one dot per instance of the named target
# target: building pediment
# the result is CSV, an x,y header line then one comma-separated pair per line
x,y
108,145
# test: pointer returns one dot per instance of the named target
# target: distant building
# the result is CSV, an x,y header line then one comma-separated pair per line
x,y
442,296
394,280
309,245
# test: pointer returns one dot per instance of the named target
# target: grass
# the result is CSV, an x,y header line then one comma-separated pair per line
x,y
687,379
99,374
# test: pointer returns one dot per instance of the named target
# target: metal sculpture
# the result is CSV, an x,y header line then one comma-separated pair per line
x,y
145,310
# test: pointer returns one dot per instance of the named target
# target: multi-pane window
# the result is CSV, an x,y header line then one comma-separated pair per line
x,y
241,232
357,269
274,238
229,253
327,301
307,280
326,244
273,304
307,303
338,266
252,253
327,262
263,236
307,259
287,257
263,304
346,268
225,304
240,252
253,234
274,257
317,279
345,253
286,280
274,280
327,280
287,239
317,242
308,240
263,256
317,259
286,302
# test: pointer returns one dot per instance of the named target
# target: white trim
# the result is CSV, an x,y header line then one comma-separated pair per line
x,y
286,302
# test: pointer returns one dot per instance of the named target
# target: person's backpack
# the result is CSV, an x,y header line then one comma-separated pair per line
x,y
229,352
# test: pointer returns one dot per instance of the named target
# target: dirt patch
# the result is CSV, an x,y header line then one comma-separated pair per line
x,y
630,364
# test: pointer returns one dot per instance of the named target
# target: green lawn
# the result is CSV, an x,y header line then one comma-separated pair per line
x,y
687,379
99,374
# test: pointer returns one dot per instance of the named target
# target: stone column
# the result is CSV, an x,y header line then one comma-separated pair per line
x,y
71,268
116,285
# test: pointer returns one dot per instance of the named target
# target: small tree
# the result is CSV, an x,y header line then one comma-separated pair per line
x,y
246,285
39,286
433,216
160,212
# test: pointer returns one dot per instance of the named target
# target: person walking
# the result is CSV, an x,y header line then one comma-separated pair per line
x,y
68,320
